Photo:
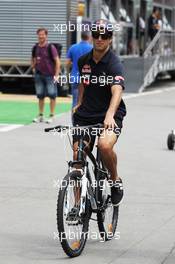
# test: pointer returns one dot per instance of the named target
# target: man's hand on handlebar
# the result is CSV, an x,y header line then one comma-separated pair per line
x,y
74,109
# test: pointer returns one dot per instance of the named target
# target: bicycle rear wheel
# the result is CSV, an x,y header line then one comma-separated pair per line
x,y
171,141
72,235
107,218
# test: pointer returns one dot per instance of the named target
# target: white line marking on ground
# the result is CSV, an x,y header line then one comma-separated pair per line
x,y
7,127
157,91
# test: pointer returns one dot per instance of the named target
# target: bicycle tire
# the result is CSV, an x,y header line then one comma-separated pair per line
x,y
60,221
103,232
171,141
106,234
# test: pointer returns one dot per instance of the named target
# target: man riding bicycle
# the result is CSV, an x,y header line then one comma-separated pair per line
x,y
100,100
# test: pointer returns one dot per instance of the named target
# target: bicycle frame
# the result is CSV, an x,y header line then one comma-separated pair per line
x,y
99,169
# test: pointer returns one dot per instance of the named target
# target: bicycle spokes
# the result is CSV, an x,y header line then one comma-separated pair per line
x,y
72,213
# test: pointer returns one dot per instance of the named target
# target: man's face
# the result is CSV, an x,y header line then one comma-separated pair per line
x,y
157,13
42,37
101,40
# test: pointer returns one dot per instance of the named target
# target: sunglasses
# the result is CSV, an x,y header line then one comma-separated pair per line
x,y
97,34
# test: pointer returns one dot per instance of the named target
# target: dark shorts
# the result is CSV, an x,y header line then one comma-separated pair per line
x,y
88,135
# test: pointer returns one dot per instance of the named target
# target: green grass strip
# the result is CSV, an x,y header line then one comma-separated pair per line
x,y
24,112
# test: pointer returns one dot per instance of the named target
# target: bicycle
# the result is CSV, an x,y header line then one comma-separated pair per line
x,y
93,198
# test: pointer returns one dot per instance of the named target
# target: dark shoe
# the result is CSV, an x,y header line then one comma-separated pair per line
x,y
73,216
117,192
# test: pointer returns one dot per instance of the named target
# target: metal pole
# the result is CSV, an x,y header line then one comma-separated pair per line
x,y
163,10
118,5
109,9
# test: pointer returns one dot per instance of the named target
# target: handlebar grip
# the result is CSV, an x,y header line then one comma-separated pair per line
x,y
48,129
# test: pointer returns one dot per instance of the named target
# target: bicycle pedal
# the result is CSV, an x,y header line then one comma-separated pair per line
x,y
73,222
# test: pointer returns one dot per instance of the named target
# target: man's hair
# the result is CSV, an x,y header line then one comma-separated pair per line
x,y
85,35
42,29
104,25
155,9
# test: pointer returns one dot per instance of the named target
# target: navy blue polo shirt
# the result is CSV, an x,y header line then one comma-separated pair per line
x,y
97,79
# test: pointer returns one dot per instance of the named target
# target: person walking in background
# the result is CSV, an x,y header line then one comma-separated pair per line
x,y
46,67
160,22
140,34
73,54
153,24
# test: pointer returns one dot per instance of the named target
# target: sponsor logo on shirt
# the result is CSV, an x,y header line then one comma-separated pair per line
x,y
86,69
119,78
86,79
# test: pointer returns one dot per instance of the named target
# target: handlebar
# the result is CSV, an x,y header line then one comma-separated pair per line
x,y
60,128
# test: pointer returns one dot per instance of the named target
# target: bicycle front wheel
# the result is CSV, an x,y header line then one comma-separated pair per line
x,y
72,227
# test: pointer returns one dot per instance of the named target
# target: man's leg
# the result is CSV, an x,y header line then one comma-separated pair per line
x,y
74,90
76,138
41,106
52,93
52,106
74,94
39,87
105,144
75,150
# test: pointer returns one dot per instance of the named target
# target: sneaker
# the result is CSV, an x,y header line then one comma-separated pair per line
x,y
38,119
73,216
117,192
50,119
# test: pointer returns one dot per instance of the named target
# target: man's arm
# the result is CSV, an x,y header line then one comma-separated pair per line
x,y
109,121
69,60
80,86
33,64
80,93
80,96
57,67
68,64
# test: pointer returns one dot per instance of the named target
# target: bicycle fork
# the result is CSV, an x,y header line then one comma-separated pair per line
x,y
84,182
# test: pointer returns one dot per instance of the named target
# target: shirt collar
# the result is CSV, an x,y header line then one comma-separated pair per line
x,y
84,41
46,44
104,59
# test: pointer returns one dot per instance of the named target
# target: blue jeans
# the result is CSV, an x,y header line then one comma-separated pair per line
x,y
74,89
45,86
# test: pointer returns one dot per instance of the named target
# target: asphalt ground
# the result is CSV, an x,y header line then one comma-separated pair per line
x,y
32,161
